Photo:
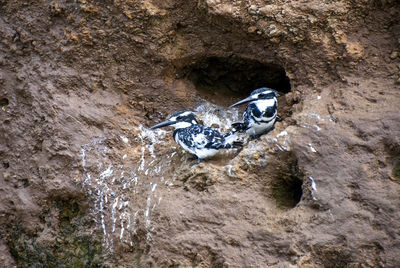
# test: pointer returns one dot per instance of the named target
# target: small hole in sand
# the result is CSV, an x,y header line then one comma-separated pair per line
x,y
4,102
287,183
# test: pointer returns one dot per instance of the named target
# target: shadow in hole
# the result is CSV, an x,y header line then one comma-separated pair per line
x,y
225,80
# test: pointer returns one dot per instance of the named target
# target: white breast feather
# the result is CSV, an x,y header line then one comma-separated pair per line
x,y
185,147
204,153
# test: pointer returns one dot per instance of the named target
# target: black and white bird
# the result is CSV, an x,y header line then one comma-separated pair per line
x,y
197,139
260,114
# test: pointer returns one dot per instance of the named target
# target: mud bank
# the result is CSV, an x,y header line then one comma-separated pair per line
x,y
84,183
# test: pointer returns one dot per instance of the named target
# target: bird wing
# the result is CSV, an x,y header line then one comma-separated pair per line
x,y
199,137
215,140
251,113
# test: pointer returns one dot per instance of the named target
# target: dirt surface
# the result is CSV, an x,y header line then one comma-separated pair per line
x,y
84,183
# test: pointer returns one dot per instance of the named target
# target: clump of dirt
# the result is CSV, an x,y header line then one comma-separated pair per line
x,y
84,182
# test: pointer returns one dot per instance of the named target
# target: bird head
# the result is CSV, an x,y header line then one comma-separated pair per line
x,y
263,93
181,119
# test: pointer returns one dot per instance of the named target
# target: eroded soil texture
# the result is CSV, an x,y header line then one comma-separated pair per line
x,y
85,183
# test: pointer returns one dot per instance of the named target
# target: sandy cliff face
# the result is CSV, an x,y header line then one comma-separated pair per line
x,y
84,183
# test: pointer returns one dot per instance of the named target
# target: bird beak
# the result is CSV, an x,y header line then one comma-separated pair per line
x,y
248,99
163,124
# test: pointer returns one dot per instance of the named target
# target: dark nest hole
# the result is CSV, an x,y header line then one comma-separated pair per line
x,y
287,182
4,102
396,168
226,80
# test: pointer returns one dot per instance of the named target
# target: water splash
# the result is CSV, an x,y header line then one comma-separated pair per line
x,y
317,116
312,149
282,134
114,188
313,187
125,192
214,115
148,139
281,140
124,139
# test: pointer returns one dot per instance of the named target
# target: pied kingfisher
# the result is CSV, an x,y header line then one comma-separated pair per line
x,y
260,114
197,139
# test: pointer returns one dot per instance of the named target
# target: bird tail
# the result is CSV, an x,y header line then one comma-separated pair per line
x,y
241,127
237,144
232,140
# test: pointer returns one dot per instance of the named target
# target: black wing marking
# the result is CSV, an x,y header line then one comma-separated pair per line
x,y
198,136
215,139
251,112
239,126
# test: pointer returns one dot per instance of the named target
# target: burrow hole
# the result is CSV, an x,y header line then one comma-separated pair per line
x,y
287,180
225,80
4,102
